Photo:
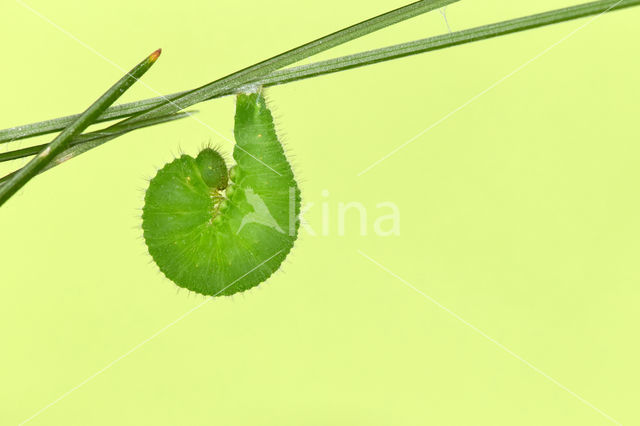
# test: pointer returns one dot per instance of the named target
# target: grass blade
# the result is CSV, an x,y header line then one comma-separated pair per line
x,y
348,62
267,66
226,85
93,136
114,112
97,139
61,142
443,41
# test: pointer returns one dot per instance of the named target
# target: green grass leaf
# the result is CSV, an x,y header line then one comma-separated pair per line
x,y
343,63
227,85
93,137
62,141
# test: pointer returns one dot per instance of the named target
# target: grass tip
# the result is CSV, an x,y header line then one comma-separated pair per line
x,y
154,56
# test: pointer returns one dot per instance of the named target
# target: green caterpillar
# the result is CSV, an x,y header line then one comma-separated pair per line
x,y
217,237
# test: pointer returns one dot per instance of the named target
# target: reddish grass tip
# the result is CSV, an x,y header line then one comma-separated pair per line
x,y
155,55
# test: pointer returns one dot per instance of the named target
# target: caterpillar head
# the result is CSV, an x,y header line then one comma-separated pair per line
x,y
213,169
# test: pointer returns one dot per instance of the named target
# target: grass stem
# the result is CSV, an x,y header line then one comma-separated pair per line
x,y
62,141
316,69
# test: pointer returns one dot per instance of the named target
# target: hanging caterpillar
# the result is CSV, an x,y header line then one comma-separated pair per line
x,y
219,231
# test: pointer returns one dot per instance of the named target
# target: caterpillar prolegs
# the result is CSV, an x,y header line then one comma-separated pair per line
x,y
217,231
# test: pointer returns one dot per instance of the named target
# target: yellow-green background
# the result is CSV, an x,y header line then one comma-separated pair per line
x,y
520,214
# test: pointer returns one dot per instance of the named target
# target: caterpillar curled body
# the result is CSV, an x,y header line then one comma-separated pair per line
x,y
217,231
